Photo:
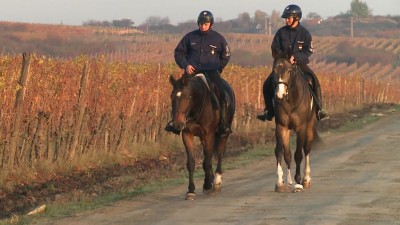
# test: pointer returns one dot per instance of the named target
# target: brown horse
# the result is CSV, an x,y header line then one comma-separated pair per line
x,y
194,115
294,110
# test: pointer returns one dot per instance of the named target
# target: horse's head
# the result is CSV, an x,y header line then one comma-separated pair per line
x,y
181,98
282,70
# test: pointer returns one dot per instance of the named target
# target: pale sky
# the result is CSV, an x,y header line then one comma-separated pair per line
x,y
75,12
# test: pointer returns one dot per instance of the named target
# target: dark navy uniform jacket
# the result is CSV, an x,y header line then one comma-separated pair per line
x,y
296,42
206,51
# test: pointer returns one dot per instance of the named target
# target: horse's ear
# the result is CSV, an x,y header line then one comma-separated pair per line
x,y
172,79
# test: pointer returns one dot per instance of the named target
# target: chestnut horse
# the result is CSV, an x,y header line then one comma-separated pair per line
x,y
194,115
294,110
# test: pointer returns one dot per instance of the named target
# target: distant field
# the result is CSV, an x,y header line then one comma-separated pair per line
x,y
130,45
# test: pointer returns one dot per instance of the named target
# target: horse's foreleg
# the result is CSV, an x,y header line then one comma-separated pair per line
x,y
282,149
301,143
190,163
288,158
298,156
208,144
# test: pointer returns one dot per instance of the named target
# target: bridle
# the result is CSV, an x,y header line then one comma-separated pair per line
x,y
196,115
285,83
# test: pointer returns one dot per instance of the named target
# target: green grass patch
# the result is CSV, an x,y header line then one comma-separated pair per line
x,y
257,153
369,118
357,124
58,211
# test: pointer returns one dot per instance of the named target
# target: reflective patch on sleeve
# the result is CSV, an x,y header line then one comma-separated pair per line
x,y
311,47
228,51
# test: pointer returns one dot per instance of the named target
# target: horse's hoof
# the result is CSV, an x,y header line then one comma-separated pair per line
x,y
282,188
217,188
190,196
307,185
298,188
207,191
217,184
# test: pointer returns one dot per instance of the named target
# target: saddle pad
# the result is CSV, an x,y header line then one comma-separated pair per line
x,y
203,78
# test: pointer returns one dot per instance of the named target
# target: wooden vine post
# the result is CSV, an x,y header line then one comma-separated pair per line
x,y
18,107
81,107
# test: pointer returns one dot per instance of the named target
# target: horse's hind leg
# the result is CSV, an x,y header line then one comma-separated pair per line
x,y
219,147
208,144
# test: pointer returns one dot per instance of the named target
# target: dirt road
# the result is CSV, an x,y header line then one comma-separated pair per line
x,y
355,180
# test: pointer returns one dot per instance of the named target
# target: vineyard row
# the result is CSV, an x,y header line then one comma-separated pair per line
x,y
58,110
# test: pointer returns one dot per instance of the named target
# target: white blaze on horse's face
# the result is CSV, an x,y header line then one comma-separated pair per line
x,y
179,94
281,89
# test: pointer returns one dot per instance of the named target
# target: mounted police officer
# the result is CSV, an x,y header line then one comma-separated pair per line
x,y
205,51
293,42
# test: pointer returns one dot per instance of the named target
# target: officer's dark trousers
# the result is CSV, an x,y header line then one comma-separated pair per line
x,y
315,83
268,88
216,78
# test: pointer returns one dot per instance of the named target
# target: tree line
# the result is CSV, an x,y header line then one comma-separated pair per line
x,y
260,22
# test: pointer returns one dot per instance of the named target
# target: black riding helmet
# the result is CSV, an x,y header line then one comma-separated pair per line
x,y
292,10
205,17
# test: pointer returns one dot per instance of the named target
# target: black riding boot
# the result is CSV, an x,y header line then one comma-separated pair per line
x,y
224,128
170,128
321,113
268,113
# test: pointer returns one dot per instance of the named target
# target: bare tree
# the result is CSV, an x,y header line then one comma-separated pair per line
x,y
260,18
123,23
359,9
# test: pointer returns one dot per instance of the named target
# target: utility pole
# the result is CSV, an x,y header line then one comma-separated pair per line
x,y
268,26
351,27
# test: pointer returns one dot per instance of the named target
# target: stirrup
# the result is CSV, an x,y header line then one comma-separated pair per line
x,y
224,130
265,115
322,115
170,128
